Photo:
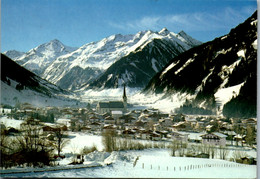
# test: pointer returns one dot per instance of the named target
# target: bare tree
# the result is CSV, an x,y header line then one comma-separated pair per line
x,y
175,146
30,146
109,140
250,135
223,152
60,140
213,151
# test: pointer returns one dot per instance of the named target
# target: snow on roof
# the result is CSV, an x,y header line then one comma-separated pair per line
x,y
238,136
220,135
230,132
117,112
111,104
181,133
190,120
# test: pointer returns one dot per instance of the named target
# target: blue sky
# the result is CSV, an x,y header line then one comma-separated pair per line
x,y
26,24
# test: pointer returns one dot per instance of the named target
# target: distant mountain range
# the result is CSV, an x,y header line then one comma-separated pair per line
x,y
39,58
204,70
108,63
162,62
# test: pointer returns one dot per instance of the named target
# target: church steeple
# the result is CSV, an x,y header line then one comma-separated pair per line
x,y
125,98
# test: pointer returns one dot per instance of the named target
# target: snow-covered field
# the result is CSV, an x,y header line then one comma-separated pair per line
x,y
134,164
149,163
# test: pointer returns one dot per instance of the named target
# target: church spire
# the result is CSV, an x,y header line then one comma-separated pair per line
x,y
124,94
125,98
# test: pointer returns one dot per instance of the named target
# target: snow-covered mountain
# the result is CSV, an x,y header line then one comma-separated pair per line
x,y
226,65
14,54
39,58
19,84
110,53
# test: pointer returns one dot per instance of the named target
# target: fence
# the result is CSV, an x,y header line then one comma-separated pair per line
x,y
186,167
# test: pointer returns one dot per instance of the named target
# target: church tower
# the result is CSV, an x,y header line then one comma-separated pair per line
x,y
125,99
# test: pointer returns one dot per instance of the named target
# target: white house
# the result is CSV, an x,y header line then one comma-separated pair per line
x,y
215,138
180,136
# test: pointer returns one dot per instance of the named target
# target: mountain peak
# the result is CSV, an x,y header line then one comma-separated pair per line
x,y
55,41
182,33
164,31
188,38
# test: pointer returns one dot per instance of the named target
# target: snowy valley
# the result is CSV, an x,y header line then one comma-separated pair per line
x,y
151,104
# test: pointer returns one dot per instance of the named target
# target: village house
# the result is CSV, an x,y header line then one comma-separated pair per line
x,y
107,128
129,133
134,113
192,122
230,135
109,120
158,127
200,126
214,139
250,121
180,136
126,119
177,117
145,134
239,139
182,126
140,123
155,136
116,115
86,128
94,119
5,111
164,134
166,122
95,126
195,137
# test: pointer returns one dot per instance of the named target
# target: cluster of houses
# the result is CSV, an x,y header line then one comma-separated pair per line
x,y
148,124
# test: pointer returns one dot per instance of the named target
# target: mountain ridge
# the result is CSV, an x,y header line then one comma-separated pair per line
x,y
202,71
40,57
19,85
56,62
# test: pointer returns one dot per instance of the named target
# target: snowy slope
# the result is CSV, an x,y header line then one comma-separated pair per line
x,y
223,95
102,54
209,72
39,58
10,96
19,84
14,54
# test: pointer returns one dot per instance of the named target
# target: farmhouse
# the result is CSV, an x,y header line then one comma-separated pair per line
x,y
214,139
180,136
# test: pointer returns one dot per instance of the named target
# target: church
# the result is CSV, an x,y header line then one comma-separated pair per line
x,y
103,107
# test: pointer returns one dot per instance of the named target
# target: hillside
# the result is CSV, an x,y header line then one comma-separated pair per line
x,y
204,70
19,84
